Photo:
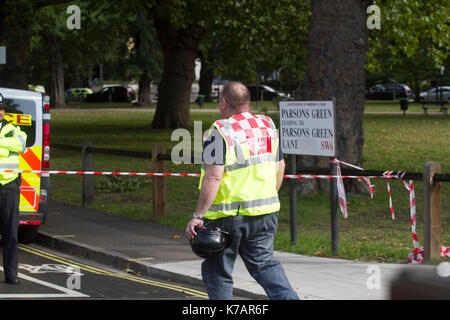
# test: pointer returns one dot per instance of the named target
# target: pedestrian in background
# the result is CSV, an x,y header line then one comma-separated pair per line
x,y
242,173
12,142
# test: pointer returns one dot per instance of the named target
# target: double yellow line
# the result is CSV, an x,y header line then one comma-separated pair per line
x,y
98,271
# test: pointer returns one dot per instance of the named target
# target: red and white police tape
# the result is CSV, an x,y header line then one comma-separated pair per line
x,y
416,257
340,184
445,252
287,176
106,173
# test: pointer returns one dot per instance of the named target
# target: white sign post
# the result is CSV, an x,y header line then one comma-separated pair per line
x,y
2,55
307,128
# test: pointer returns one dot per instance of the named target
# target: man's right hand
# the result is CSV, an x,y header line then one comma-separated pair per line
x,y
190,228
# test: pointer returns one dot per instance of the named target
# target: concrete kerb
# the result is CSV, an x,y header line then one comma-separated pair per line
x,y
122,262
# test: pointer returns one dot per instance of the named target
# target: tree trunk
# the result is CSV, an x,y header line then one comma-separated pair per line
x,y
416,88
180,49
145,82
57,82
335,68
145,86
206,78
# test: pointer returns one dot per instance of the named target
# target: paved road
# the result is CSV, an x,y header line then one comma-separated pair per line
x,y
47,274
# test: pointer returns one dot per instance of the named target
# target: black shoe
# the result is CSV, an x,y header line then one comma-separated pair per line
x,y
15,281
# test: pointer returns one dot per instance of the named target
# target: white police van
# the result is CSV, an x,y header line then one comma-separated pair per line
x,y
31,111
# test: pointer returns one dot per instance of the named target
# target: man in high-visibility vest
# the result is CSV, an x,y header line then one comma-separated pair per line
x,y
12,142
242,173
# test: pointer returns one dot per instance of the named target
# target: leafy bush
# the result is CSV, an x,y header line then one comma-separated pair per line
x,y
117,183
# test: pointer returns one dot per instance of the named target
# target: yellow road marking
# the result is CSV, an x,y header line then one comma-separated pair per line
x,y
62,260
244,284
59,236
141,259
95,270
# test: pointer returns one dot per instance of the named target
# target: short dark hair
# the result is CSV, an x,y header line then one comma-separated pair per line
x,y
236,94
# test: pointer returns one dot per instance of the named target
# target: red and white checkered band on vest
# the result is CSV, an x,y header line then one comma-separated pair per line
x,y
257,131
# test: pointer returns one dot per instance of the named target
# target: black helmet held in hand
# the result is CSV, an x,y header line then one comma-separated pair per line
x,y
210,242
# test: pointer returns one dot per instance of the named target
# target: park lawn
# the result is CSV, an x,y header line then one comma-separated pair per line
x,y
393,142
262,106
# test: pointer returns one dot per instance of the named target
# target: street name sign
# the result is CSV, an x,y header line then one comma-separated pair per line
x,y
308,128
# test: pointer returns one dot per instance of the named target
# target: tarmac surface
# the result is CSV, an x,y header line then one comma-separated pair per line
x,y
165,252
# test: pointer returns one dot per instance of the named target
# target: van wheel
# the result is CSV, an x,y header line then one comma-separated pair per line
x,y
27,234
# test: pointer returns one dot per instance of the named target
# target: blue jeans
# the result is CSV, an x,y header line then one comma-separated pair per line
x,y
253,240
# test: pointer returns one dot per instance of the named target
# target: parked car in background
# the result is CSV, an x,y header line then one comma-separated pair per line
x,y
77,94
113,94
263,92
434,95
389,91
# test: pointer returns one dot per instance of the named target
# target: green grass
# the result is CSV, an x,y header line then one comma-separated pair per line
x,y
371,106
390,106
116,105
392,141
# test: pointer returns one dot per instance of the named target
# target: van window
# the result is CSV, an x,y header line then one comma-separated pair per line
x,y
22,113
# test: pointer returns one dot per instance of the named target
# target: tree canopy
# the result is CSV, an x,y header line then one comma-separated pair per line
x,y
320,49
248,40
412,44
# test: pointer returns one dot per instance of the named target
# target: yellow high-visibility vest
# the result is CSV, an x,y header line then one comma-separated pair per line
x,y
248,185
12,142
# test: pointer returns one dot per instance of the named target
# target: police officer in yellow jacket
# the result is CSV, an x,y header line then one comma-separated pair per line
x,y
242,174
12,142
